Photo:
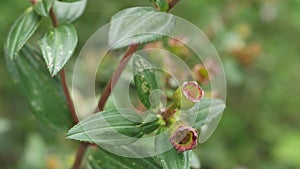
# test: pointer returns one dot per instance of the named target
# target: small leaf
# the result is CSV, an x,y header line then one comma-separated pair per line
x,y
144,79
42,7
205,111
108,127
21,31
44,93
57,46
171,159
101,159
68,12
139,25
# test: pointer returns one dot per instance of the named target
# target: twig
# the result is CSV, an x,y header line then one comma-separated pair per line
x,y
115,77
68,96
83,146
53,17
107,91
64,84
172,4
79,156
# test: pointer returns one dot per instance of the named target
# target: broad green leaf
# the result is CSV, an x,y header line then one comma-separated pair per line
x,y
144,79
162,5
57,46
205,111
44,93
21,31
101,159
68,12
170,159
42,7
114,127
139,25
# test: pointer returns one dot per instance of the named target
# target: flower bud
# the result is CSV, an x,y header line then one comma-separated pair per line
x,y
184,138
201,74
187,95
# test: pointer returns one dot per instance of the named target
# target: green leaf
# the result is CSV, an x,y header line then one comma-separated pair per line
x,y
68,12
144,79
152,123
170,159
42,7
114,127
206,110
21,31
162,5
139,25
44,93
57,46
101,159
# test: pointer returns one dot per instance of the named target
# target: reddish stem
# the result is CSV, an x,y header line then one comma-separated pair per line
x,y
79,156
68,96
83,146
115,77
107,91
53,17
172,4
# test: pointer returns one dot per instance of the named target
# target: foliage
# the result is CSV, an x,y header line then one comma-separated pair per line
x,y
260,126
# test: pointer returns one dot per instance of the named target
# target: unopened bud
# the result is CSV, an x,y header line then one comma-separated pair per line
x,y
187,95
184,138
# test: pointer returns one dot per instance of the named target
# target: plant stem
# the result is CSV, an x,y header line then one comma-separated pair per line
x,y
115,77
53,17
172,4
169,113
64,84
107,91
83,146
79,156
68,96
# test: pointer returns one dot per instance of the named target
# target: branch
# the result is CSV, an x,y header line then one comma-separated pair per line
x,y
68,96
79,156
53,17
64,84
83,146
115,77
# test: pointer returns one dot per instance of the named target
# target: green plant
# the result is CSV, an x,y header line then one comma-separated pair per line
x,y
52,104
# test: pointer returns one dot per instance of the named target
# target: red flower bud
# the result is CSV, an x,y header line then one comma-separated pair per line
x,y
184,138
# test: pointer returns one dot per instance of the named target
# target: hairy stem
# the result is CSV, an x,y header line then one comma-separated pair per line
x,y
115,77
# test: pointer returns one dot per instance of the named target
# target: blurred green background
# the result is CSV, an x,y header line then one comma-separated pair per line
x,y
259,44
